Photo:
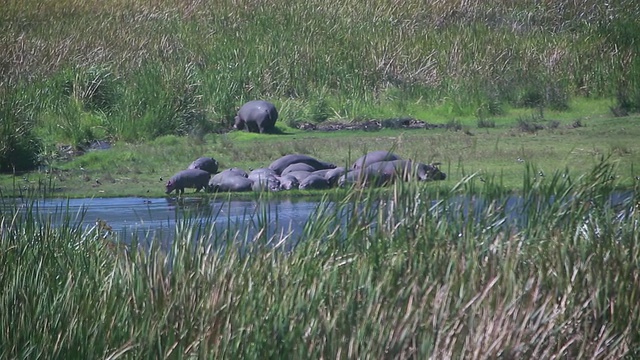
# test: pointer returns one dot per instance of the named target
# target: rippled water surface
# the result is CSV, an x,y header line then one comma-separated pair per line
x,y
149,217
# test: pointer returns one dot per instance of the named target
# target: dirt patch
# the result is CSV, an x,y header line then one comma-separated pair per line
x,y
370,125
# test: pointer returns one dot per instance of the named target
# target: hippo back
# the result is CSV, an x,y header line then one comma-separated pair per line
x,y
314,181
207,164
257,116
373,157
298,167
283,162
230,182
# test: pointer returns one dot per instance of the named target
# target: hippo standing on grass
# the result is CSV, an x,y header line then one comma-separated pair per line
x,y
207,164
190,178
256,116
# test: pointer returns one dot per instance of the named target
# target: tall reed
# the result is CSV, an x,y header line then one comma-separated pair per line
x,y
476,273
182,67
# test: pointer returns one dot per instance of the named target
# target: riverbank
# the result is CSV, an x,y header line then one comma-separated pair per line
x,y
501,149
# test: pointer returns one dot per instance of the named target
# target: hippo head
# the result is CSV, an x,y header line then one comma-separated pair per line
x,y
171,185
273,184
239,123
288,182
430,172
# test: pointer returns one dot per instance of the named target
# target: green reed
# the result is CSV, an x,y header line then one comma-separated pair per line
x,y
140,70
399,274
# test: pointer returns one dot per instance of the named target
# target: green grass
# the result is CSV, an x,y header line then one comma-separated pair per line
x,y
159,79
502,151
426,281
133,71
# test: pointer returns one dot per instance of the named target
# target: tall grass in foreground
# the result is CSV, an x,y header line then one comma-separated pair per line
x,y
405,275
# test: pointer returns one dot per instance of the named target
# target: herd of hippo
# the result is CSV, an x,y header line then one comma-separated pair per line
x,y
299,171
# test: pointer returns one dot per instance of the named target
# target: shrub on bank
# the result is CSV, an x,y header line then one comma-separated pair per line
x,y
19,147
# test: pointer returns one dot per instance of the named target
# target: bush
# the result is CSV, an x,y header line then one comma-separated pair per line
x,y
453,125
19,147
96,88
486,123
319,110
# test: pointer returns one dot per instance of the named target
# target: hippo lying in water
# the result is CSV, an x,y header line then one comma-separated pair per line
x,y
256,116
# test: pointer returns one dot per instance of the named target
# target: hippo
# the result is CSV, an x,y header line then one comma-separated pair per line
x,y
190,178
280,164
207,164
298,167
256,116
229,172
407,170
229,181
314,181
373,157
430,172
288,182
300,175
270,183
261,172
364,177
322,172
235,171
264,179
332,175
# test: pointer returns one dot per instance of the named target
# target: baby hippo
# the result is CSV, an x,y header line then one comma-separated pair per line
x,y
190,178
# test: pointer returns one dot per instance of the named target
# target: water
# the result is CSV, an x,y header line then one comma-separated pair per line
x,y
149,218
246,220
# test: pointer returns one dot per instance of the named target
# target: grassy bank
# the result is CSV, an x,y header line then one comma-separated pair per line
x,y
431,279
72,72
557,141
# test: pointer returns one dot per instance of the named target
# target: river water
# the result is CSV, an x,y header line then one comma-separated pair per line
x,y
145,219
148,218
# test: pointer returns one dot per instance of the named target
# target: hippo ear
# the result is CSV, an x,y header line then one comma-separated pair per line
x,y
169,183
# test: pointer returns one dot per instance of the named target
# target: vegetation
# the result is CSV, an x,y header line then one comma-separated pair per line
x,y
458,269
558,141
471,276
133,70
